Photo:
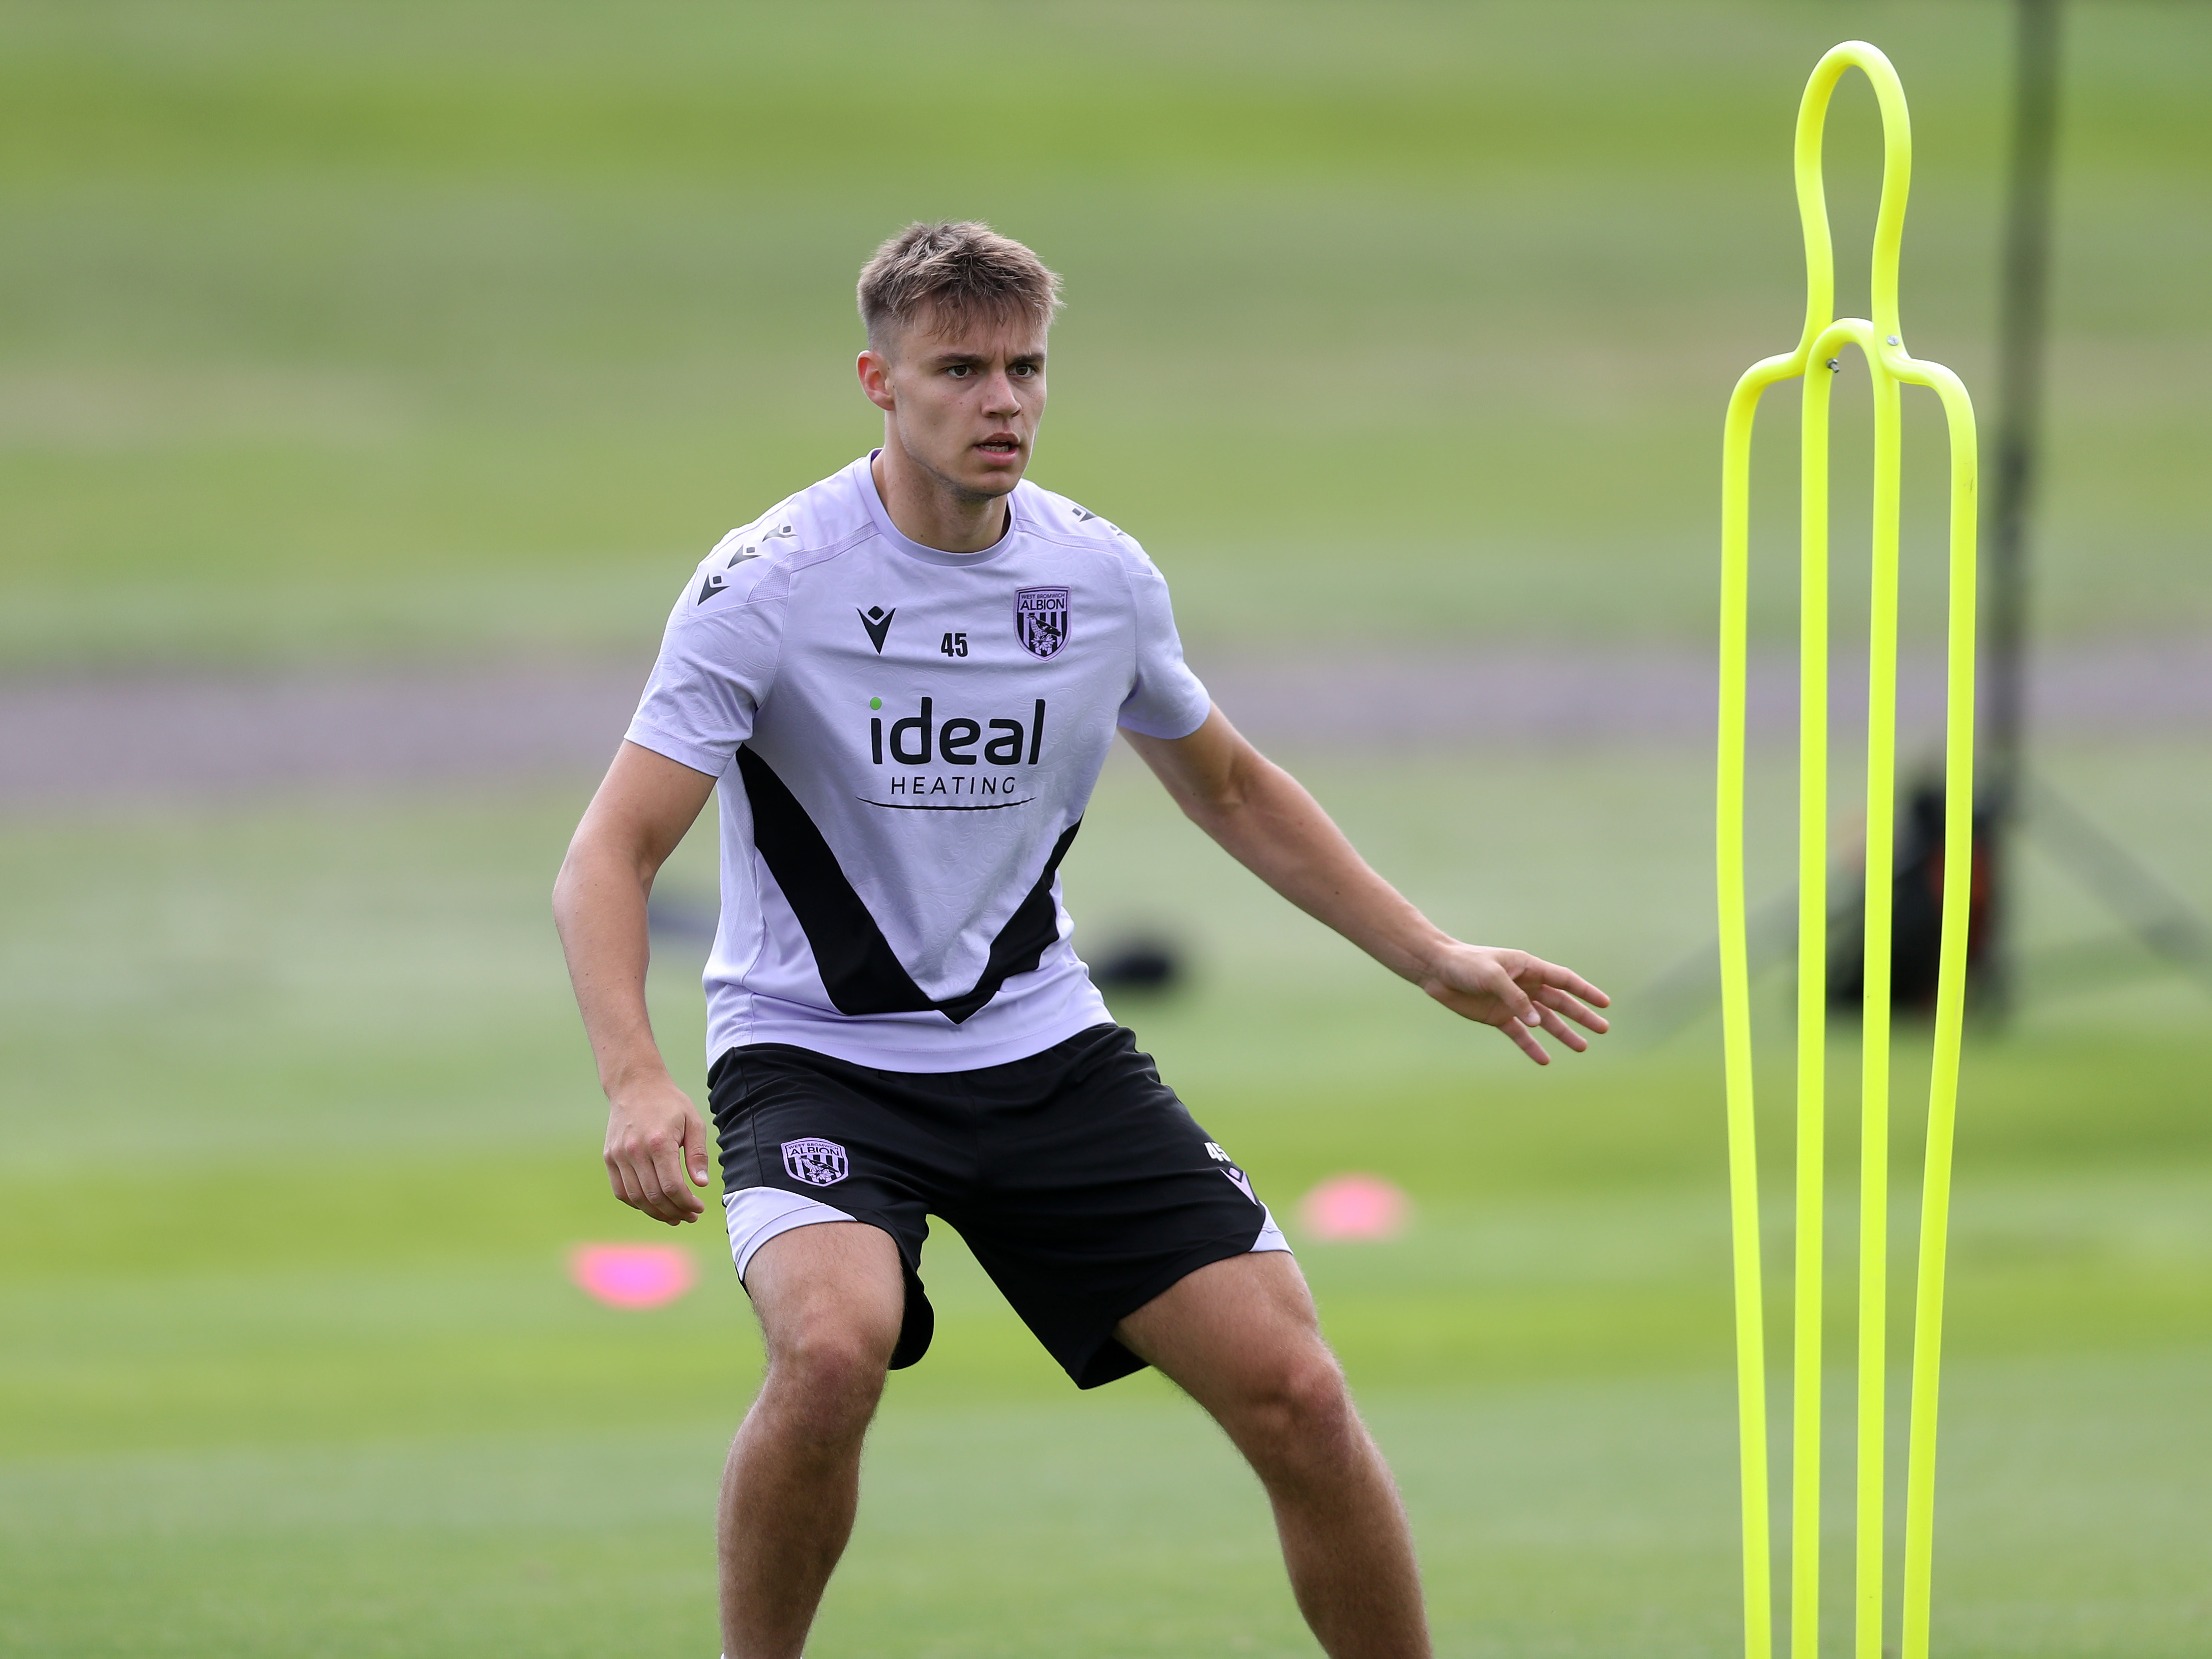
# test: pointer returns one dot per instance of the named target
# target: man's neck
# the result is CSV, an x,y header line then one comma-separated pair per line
x,y
927,513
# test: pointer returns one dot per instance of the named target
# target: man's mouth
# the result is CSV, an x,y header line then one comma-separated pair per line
x,y
1000,445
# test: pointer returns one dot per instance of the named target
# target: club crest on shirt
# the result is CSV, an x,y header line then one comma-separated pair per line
x,y
817,1162
1041,620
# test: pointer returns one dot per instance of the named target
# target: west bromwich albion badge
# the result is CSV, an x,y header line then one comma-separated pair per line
x,y
1041,620
817,1162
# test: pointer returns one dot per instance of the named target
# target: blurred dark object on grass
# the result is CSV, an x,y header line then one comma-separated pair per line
x,y
1916,913
2151,911
2170,934
1146,964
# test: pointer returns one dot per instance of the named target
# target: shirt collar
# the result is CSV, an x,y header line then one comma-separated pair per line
x,y
864,482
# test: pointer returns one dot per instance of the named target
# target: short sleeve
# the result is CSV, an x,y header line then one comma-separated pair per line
x,y
717,659
1167,700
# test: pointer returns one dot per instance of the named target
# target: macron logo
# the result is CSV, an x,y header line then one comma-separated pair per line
x,y
877,621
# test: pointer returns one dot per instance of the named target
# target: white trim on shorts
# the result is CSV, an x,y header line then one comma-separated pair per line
x,y
757,1214
1270,1236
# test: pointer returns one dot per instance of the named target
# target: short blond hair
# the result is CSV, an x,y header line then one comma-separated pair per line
x,y
961,270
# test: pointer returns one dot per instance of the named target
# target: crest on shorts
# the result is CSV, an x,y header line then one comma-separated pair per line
x,y
817,1162
1041,620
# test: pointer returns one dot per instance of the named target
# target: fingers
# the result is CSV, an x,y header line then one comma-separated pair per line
x,y
666,1182
695,1149
1566,1033
1562,1003
638,1185
1521,1017
1565,979
1582,988
1551,1002
1524,1039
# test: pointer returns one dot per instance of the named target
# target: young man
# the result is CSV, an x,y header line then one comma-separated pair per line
x,y
903,681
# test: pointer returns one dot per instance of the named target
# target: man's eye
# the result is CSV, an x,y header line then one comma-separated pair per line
x,y
958,371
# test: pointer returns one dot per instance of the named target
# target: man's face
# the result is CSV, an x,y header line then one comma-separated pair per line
x,y
963,398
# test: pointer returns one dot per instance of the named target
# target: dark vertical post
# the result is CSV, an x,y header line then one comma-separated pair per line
x,y
2022,315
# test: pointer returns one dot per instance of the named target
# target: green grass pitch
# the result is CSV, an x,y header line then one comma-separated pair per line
x,y
293,1365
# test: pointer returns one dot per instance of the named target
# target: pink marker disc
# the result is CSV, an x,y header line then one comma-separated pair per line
x,y
632,1275
1354,1206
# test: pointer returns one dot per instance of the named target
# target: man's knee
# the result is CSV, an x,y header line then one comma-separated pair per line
x,y
824,1381
1297,1407
834,1352
831,1300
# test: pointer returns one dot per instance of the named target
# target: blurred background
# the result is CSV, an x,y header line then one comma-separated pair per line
x,y
371,375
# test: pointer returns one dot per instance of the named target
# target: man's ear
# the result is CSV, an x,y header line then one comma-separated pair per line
x,y
875,372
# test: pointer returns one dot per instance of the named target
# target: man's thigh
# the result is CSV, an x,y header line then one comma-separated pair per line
x,y
834,1283
1234,1329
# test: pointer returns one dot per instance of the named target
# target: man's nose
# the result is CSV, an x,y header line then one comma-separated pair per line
x,y
1001,398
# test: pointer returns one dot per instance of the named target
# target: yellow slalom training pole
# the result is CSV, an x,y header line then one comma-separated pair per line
x,y
1950,1007
1818,357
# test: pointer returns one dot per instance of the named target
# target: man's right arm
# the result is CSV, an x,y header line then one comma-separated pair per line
x,y
655,1138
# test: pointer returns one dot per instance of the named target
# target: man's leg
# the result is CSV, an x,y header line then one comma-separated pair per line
x,y
830,1297
1240,1338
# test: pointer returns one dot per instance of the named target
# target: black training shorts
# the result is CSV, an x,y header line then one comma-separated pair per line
x,y
1081,1183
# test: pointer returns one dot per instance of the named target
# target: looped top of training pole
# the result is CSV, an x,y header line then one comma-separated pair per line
x,y
1812,201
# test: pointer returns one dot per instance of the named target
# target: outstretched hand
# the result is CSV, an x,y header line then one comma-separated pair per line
x,y
1518,993
656,1151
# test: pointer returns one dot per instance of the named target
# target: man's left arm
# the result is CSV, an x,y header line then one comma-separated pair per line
x,y
1267,822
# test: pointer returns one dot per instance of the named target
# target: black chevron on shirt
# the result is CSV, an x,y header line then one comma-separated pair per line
x,y
861,971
